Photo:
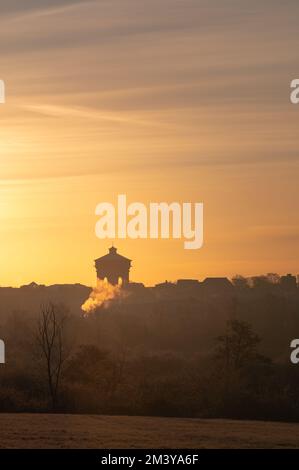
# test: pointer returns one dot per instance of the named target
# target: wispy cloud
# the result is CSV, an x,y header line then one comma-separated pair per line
x,y
19,6
87,113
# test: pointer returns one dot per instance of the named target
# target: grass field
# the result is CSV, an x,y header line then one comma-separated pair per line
x,y
77,431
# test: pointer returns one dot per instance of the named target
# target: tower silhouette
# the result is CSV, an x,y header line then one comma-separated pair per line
x,y
113,267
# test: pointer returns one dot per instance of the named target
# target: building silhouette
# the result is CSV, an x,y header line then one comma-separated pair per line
x,y
113,267
288,282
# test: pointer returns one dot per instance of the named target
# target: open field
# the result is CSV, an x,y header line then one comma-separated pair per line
x,y
77,431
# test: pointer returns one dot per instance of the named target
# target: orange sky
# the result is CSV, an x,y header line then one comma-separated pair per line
x,y
162,101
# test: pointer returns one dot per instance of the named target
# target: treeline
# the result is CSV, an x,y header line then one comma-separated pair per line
x,y
188,360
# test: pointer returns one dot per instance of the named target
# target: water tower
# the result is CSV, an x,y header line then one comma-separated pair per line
x,y
113,267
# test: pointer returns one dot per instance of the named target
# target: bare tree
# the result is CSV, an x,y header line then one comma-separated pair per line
x,y
50,338
238,347
117,372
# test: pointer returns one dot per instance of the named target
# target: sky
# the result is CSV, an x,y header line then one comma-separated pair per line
x,y
180,100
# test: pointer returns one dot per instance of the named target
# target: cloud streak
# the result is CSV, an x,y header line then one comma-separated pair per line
x,y
19,6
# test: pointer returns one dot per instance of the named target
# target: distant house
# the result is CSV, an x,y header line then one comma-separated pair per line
x,y
165,285
288,282
32,285
217,286
187,283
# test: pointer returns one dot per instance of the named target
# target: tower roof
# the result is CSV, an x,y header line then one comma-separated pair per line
x,y
112,255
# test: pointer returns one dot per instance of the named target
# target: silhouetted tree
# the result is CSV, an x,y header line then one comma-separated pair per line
x,y
240,282
264,282
50,338
236,350
273,278
238,347
242,371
